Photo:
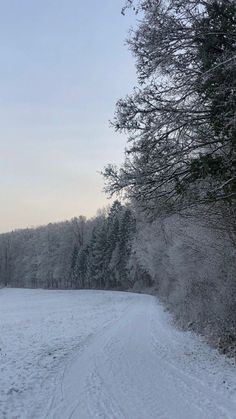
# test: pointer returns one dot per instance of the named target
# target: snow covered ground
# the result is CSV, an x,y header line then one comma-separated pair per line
x,y
111,355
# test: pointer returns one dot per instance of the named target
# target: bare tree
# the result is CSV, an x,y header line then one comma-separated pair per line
x,y
180,120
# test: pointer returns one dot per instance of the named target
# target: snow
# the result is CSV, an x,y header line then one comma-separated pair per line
x,y
102,354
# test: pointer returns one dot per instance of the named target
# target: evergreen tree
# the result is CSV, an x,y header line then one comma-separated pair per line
x,y
113,226
82,268
126,233
73,267
96,262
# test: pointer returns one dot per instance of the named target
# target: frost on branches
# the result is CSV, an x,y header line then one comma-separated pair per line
x,y
180,119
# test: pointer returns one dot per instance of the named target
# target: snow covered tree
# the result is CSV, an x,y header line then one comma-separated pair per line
x,y
111,256
82,268
6,262
79,227
96,262
103,261
180,120
126,234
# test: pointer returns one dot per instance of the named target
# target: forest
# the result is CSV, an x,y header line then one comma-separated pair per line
x,y
173,230
74,254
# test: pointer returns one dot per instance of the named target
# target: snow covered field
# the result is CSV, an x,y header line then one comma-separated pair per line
x,y
111,355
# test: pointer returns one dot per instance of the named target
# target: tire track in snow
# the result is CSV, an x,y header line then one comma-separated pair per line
x,y
82,363
133,369
101,404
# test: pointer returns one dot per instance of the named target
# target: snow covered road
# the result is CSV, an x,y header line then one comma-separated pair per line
x,y
108,355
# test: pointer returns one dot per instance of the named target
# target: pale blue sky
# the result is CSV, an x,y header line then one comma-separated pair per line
x,y
63,65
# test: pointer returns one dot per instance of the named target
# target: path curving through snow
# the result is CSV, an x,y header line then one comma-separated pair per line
x,y
112,356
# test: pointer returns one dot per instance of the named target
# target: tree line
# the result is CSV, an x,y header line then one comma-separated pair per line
x,y
73,254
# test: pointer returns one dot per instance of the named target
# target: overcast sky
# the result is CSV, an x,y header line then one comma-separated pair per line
x,y
63,65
